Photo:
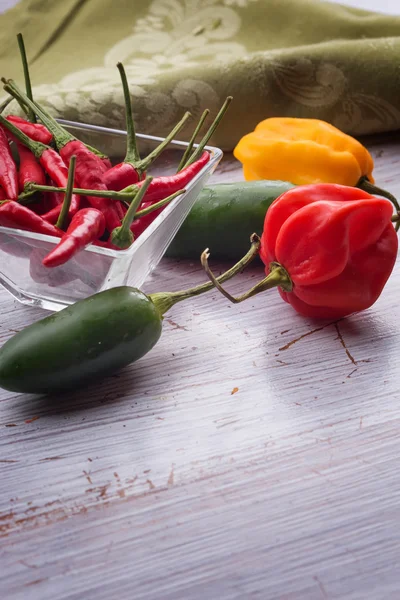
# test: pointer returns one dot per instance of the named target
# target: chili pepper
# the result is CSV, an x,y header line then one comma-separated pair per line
x,y
30,171
53,198
8,169
92,338
105,161
2,194
161,187
306,151
87,225
35,131
90,175
133,167
225,214
48,158
328,248
89,166
15,215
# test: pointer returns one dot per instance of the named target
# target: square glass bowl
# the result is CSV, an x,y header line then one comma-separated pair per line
x,y
96,269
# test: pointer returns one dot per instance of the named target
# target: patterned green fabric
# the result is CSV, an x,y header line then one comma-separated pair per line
x,y
301,58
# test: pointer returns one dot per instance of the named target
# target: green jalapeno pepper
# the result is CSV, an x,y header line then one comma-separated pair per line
x,y
93,337
224,217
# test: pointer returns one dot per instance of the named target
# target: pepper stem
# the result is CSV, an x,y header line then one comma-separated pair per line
x,y
157,205
123,236
164,301
124,195
28,86
364,184
278,276
4,104
145,163
132,153
197,153
62,218
192,139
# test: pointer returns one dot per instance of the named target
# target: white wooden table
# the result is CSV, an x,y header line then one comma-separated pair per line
x,y
251,454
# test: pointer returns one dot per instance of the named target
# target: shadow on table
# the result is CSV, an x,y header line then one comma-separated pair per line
x,y
112,389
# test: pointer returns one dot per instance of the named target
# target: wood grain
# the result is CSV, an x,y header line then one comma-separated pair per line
x,y
252,454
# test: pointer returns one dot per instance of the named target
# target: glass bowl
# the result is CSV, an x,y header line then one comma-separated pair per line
x,y
96,269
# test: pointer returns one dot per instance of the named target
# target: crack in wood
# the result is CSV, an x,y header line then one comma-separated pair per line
x,y
340,338
301,337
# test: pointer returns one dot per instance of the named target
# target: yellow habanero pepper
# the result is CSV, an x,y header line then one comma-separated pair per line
x,y
304,151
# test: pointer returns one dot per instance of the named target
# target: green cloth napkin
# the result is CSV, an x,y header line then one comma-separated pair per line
x,y
302,58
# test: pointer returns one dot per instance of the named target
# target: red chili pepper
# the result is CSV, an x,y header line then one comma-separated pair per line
x,y
30,171
8,169
86,226
2,194
53,198
106,162
89,175
18,216
328,248
161,187
35,131
48,158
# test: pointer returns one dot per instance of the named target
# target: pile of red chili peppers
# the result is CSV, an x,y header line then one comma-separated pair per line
x,y
53,183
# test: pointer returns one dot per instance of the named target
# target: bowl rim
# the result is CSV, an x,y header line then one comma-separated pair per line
x,y
215,156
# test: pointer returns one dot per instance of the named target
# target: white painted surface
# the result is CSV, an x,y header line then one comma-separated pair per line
x,y
160,483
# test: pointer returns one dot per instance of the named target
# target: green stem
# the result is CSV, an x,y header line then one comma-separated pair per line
x,y
157,205
278,276
132,153
123,236
192,140
164,301
142,166
28,86
62,218
4,104
199,150
30,188
364,184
